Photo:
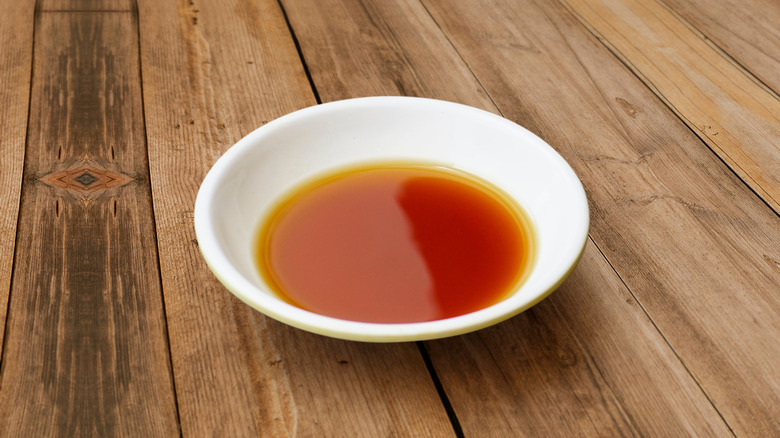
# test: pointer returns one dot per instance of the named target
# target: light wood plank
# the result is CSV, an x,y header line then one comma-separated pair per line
x,y
86,351
16,31
699,251
747,30
734,114
553,371
213,71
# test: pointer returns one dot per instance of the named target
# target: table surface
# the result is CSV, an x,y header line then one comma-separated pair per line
x,y
112,112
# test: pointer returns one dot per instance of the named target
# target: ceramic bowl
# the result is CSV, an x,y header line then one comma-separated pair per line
x,y
250,177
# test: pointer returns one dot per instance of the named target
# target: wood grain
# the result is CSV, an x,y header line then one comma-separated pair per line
x,y
692,243
213,71
747,30
733,113
86,5
86,350
368,48
16,32
587,361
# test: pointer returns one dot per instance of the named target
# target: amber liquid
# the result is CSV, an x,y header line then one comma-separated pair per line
x,y
395,244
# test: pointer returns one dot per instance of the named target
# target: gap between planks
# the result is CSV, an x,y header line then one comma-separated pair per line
x,y
300,53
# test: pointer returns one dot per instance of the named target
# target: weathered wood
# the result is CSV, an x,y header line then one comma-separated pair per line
x,y
213,71
733,113
747,30
699,251
585,362
369,48
86,351
85,5
16,33
573,366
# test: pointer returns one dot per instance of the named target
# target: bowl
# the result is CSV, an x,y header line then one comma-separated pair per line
x,y
249,178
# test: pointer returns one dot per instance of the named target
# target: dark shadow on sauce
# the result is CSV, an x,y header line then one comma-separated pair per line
x,y
471,242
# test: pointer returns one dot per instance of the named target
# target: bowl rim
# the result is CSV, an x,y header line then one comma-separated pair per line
x,y
219,263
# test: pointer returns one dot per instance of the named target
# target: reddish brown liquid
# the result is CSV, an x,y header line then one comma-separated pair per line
x,y
393,244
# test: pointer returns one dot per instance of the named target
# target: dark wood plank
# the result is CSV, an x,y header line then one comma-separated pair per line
x,y
733,113
747,30
213,71
85,5
16,33
86,350
697,248
587,361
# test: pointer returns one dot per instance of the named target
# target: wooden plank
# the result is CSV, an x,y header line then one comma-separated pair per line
x,y
732,112
86,350
551,371
699,251
213,71
16,32
85,5
747,30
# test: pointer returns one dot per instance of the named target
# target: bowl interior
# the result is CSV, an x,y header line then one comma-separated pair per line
x,y
246,182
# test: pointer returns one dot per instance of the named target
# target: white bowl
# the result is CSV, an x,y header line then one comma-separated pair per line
x,y
247,180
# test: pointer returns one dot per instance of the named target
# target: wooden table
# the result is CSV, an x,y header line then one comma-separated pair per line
x,y
112,112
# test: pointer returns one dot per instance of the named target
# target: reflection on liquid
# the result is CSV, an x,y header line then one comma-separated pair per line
x,y
471,244
392,244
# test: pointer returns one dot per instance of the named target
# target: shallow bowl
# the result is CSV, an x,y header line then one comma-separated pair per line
x,y
249,178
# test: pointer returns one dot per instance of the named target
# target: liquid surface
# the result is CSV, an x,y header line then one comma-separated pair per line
x,y
394,244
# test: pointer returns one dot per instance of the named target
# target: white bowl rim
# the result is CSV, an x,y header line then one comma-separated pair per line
x,y
280,310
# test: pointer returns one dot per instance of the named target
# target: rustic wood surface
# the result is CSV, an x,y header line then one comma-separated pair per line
x,y
746,30
220,70
85,5
16,32
112,112
504,42
85,314
691,242
728,108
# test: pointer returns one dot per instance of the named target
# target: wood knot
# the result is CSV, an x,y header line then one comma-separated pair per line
x,y
566,357
628,107
772,263
86,179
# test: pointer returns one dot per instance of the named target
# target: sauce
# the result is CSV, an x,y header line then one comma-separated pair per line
x,y
395,244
